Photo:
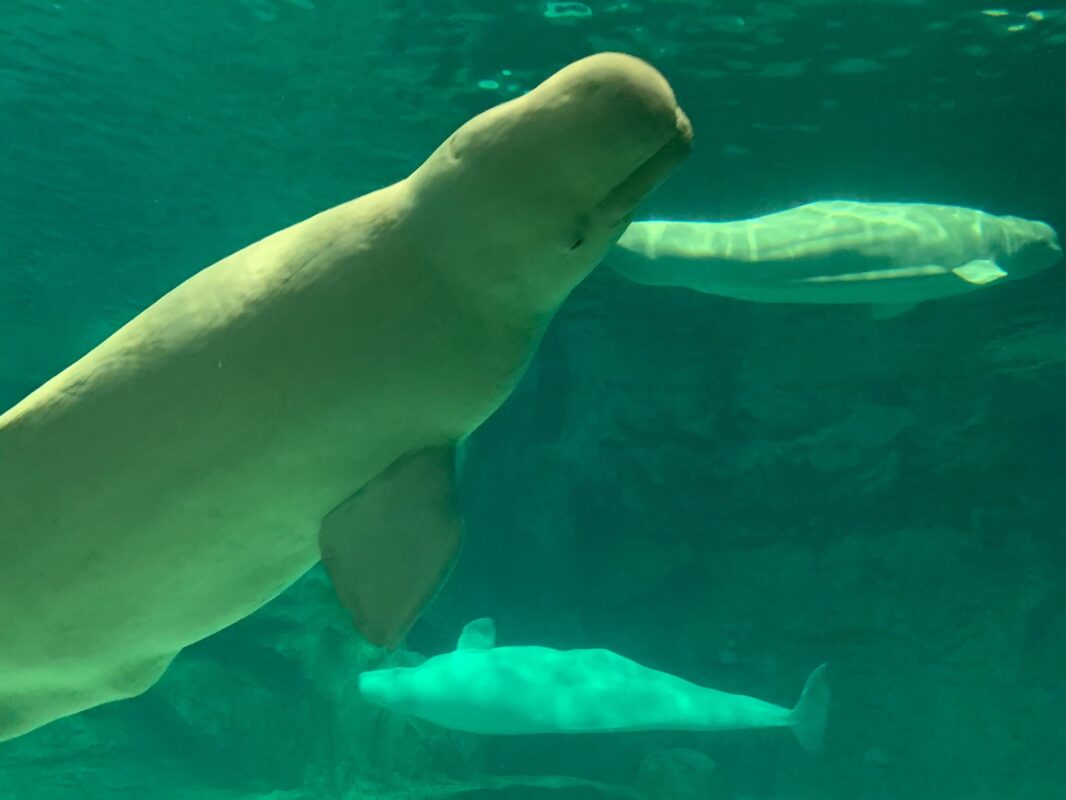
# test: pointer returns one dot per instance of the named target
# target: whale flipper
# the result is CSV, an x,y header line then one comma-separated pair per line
x,y
389,547
478,635
980,271
810,714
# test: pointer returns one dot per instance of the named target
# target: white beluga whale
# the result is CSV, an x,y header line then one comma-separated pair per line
x,y
890,255
303,398
481,688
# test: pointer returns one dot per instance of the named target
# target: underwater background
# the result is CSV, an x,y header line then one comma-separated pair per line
x,y
732,492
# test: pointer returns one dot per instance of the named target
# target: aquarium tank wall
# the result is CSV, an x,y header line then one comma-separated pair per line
x,y
729,491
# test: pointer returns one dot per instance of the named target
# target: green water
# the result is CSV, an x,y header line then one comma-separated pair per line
x,y
732,492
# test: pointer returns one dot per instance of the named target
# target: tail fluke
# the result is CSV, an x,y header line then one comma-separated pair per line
x,y
809,715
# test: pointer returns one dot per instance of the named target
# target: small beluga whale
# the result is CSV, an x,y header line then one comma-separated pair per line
x,y
481,688
303,398
892,256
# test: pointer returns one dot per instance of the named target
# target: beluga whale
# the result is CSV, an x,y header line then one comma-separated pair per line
x,y
481,688
303,399
892,256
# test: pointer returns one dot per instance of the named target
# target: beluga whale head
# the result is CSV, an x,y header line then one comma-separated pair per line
x,y
550,179
1028,246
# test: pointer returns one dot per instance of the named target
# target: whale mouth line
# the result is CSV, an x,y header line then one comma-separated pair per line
x,y
619,203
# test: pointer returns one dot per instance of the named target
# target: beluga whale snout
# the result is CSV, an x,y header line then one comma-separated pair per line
x,y
553,177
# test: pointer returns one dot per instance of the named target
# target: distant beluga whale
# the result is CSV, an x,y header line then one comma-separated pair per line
x,y
890,255
304,398
481,688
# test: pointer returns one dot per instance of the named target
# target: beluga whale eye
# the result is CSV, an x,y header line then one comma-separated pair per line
x,y
580,240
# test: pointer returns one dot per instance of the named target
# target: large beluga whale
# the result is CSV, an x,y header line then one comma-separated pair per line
x,y
890,255
304,398
481,688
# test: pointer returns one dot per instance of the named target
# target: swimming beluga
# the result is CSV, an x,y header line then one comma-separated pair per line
x,y
890,255
481,688
304,397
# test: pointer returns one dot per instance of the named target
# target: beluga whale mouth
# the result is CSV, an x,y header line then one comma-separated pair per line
x,y
549,180
617,207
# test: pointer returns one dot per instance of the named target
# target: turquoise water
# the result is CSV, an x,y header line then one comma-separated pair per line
x,y
732,492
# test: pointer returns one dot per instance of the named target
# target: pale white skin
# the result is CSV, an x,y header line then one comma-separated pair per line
x,y
529,690
174,479
838,252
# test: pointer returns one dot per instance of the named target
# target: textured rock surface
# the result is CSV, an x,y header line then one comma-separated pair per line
x,y
677,774
787,486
